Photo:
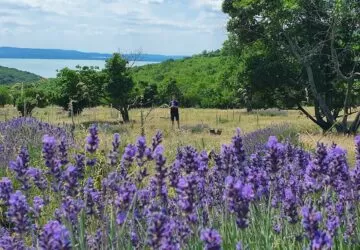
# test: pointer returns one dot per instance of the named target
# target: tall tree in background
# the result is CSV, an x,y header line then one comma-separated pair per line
x,y
84,87
318,38
119,84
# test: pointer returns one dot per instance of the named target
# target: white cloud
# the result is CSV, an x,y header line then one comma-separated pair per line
x,y
60,7
213,4
156,26
151,1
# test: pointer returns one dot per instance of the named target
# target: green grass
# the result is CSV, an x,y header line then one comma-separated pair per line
x,y
194,123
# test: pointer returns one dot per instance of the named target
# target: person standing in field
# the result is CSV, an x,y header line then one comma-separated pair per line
x,y
174,112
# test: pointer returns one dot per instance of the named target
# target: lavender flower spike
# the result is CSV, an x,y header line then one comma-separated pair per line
x,y
18,212
54,236
49,154
211,238
92,140
6,189
92,144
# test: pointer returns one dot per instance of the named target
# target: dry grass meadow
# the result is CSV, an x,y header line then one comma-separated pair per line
x,y
195,124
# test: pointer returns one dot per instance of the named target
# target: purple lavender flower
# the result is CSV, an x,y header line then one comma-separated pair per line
x,y
95,241
49,154
38,205
158,182
10,243
311,221
189,160
92,141
18,212
54,236
174,173
186,189
143,200
350,221
142,157
277,227
290,205
321,241
160,232
127,159
123,201
238,152
94,204
114,153
333,220
49,150
70,181
20,167
257,175
6,189
202,185
80,165
238,196
211,239
239,246
156,140
70,209
92,144
111,182
274,157
37,176
141,147
63,148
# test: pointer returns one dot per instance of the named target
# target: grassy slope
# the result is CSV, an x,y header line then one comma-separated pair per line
x,y
198,76
10,75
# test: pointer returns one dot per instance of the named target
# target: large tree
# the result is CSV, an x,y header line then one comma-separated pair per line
x,y
119,85
319,39
83,87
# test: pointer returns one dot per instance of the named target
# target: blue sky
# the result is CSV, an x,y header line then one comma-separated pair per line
x,y
172,27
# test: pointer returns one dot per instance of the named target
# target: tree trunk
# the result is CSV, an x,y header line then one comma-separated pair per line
x,y
125,115
355,125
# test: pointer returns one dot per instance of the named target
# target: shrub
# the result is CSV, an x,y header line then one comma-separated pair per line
x,y
27,132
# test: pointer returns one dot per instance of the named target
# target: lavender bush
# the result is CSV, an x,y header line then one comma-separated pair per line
x,y
28,132
255,141
279,197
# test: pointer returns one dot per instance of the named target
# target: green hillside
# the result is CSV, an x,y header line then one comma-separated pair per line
x,y
10,75
205,80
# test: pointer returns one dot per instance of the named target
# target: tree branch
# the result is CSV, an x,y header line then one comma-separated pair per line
x,y
308,115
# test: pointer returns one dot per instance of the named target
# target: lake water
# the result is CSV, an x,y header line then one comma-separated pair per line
x,y
47,67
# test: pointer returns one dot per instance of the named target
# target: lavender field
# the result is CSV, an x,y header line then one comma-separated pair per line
x,y
261,190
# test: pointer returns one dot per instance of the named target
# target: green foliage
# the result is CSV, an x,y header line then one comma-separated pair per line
x,y
119,84
205,80
5,97
26,97
151,95
84,87
291,48
10,75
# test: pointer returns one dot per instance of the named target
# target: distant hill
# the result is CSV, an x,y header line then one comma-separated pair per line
x,y
204,80
28,53
10,75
